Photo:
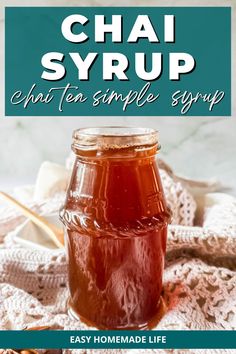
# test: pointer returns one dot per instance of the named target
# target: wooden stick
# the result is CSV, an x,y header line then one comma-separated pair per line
x,y
55,233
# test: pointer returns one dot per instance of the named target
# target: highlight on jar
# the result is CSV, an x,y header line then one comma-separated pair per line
x,y
115,217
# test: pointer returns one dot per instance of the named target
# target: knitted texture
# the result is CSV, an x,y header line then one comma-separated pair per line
x,y
199,279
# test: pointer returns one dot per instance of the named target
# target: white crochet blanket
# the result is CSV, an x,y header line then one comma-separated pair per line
x,y
199,278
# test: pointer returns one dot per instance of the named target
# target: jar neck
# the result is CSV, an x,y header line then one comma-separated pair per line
x,y
117,154
115,143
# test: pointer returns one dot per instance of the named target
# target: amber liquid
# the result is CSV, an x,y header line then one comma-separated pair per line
x,y
116,220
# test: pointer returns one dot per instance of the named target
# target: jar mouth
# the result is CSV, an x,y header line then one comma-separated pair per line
x,y
114,137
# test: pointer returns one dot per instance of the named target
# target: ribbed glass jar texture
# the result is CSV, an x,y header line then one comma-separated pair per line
x,y
115,216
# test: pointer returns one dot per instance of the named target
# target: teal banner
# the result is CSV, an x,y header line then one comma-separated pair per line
x,y
112,61
118,339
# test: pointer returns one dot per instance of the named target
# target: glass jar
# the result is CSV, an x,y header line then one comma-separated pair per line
x,y
116,218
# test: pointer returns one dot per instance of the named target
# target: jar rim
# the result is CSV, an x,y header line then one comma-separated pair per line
x,y
114,137
114,131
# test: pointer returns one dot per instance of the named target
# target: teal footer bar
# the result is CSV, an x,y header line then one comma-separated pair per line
x,y
118,339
